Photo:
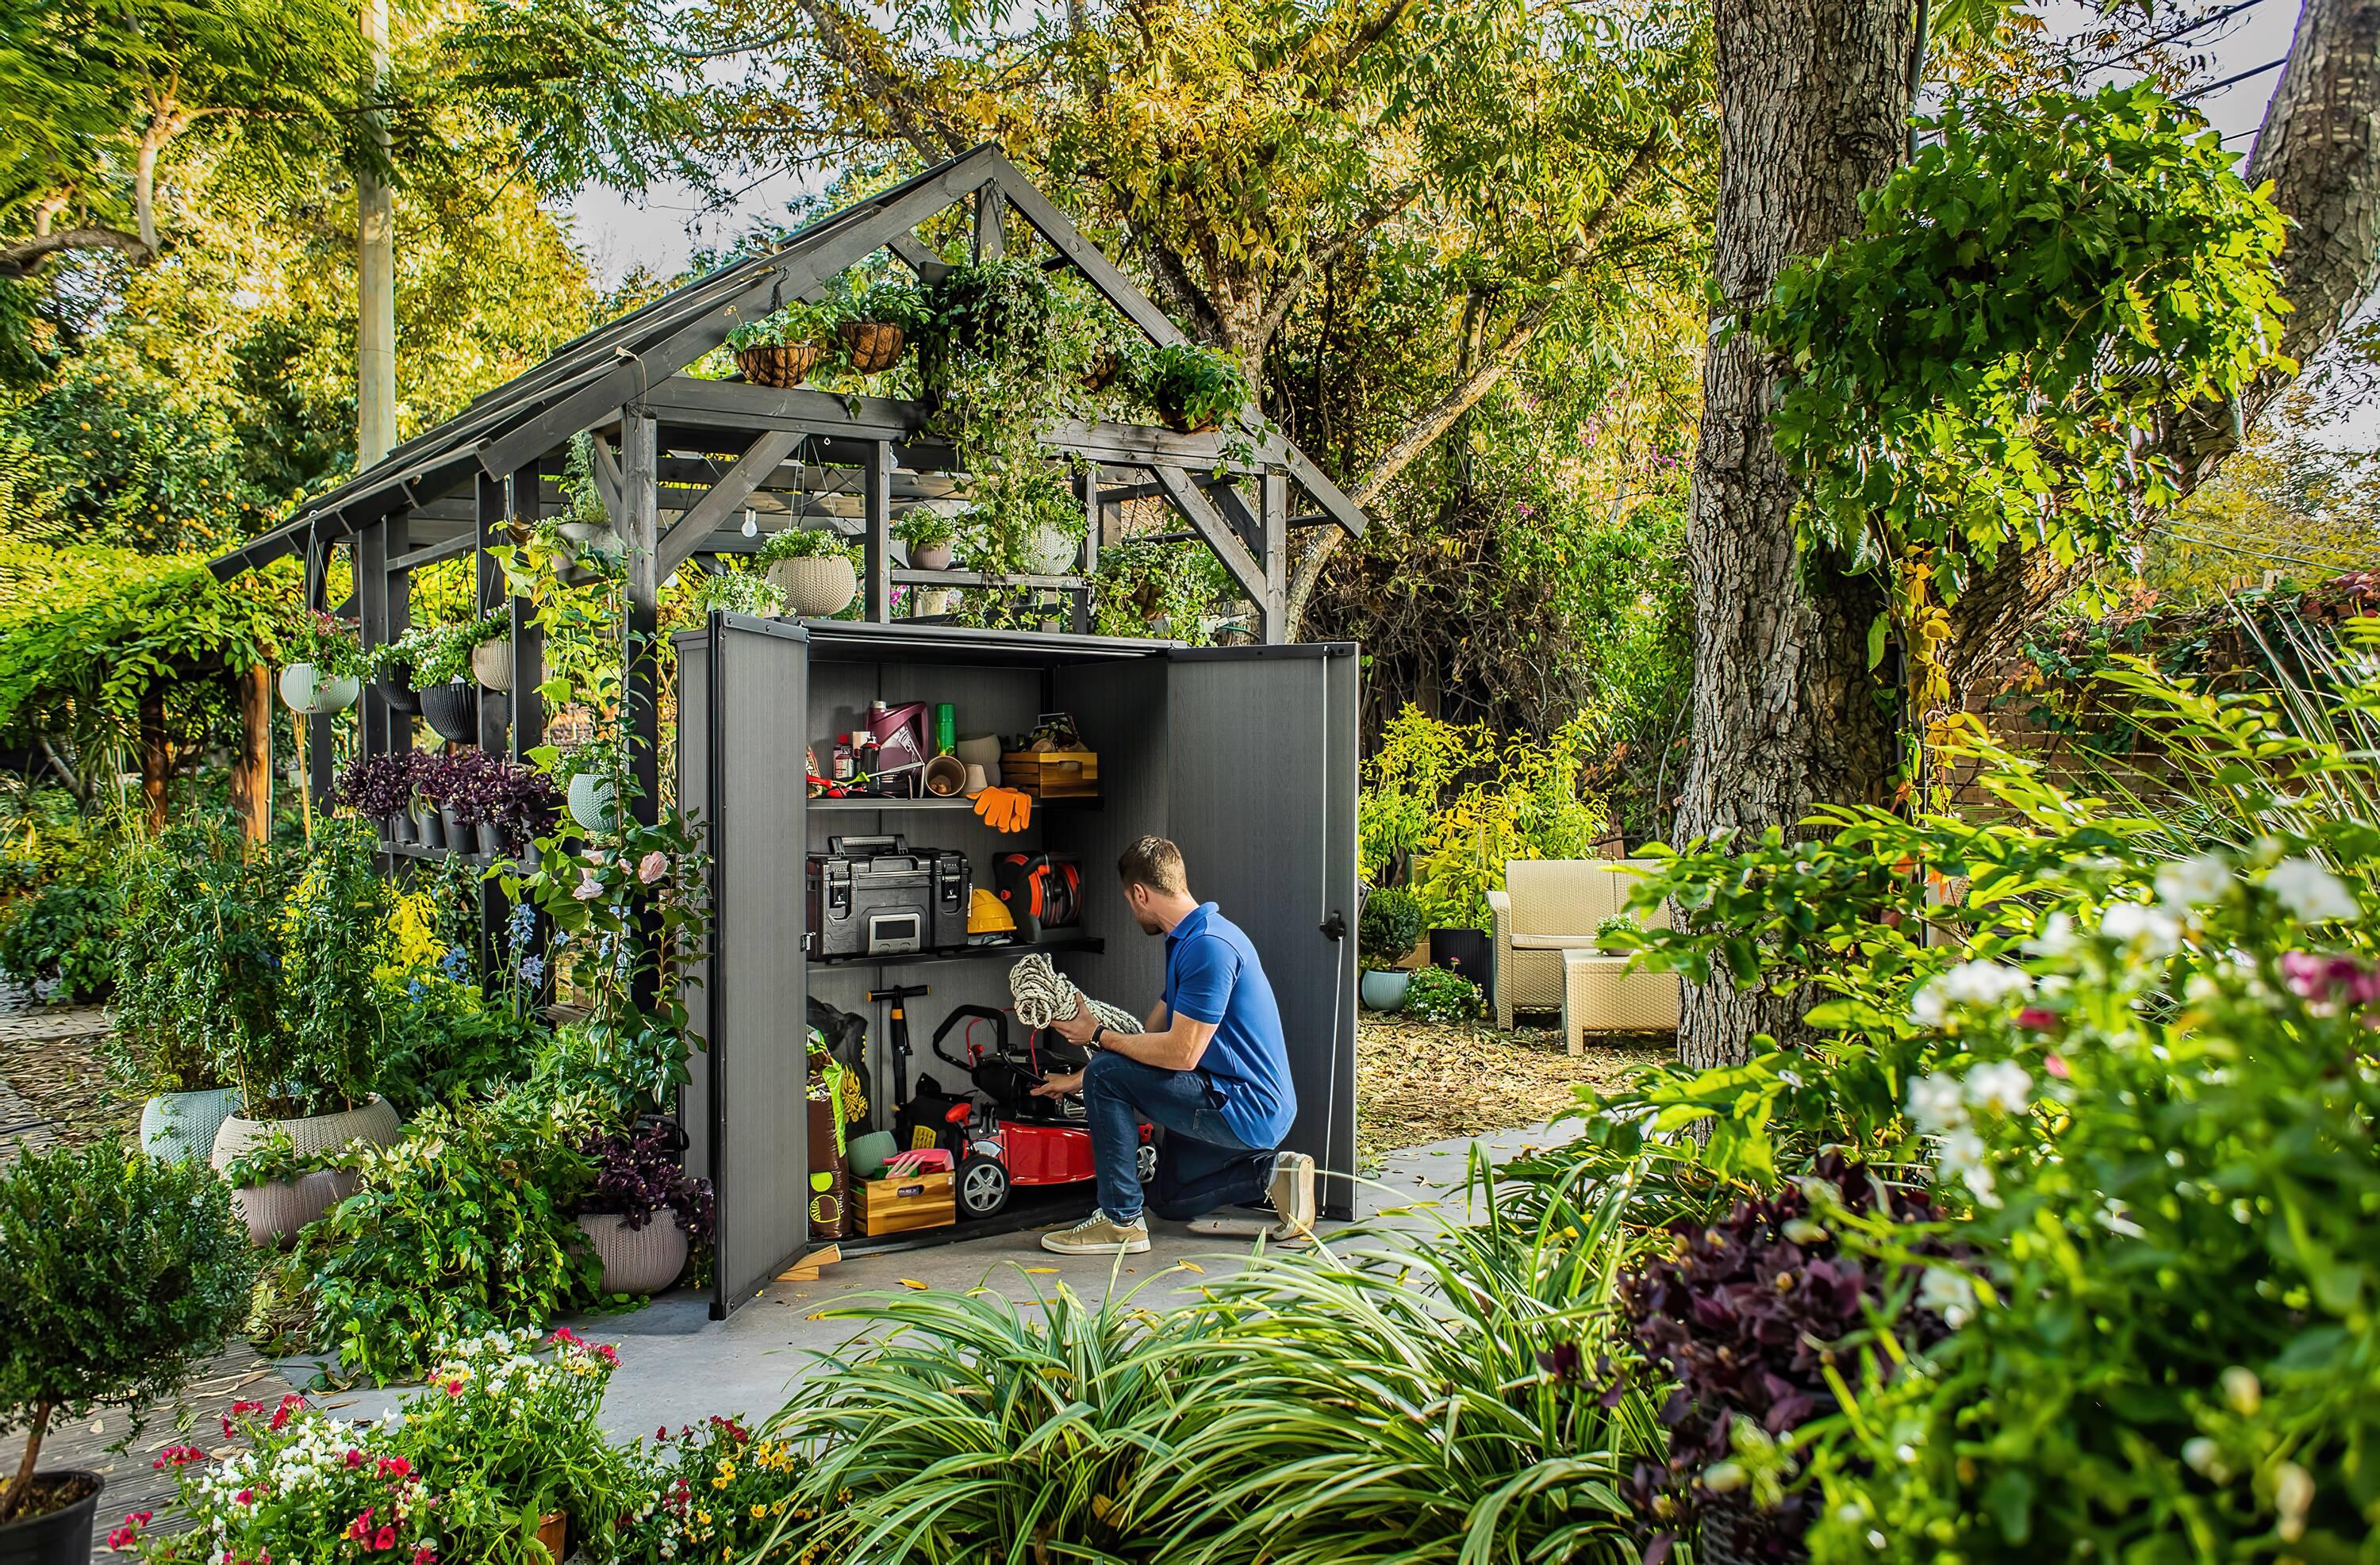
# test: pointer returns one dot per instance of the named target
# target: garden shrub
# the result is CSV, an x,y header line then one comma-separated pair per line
x,y
118,1273
1438,995
2140,1074
196,966
463,1227
65,933
447,1043
1389,927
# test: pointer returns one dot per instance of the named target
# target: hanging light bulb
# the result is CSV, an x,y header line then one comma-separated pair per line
x,y
751,523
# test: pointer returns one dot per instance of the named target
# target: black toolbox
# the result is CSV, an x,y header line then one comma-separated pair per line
x,y
877,896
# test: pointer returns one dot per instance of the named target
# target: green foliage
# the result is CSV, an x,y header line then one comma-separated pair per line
x,y
924,526
1406,1398
1190,387
334,932
195,967
801,543
65,932
437,653
462,1227
738,592
445,1043
2041,290
1169,590
1439,995
718,1487
118,1273
1389,927
790,323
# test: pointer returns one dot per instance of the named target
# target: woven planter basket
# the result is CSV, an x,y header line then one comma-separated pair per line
x,y
782,365
637,1260
874,346
492,663
180,1126
453,709
816,587
376,1122
1733,1531
275,1211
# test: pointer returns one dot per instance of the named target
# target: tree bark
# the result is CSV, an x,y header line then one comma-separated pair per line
x,y
156,761
251,772
14,1495
1813,105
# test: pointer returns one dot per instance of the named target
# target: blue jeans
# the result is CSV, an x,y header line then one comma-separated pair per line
x,y
1202,1165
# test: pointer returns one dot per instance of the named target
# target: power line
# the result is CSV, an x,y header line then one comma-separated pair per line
x,y
2197,92
2171,531
2181,32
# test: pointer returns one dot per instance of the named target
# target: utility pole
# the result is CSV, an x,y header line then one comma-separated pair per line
x,y
376,271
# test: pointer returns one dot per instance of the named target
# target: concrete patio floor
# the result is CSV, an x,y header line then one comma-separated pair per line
x,y
678,1367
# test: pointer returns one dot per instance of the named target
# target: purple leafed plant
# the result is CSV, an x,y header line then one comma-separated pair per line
x,y
379,786
637,1176
1746,1314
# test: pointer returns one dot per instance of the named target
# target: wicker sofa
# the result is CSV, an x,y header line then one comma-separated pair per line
x,y
1547,958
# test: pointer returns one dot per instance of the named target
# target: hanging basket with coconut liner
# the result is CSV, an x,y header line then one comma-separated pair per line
x,y
1102,371
781,365
1179,423
873,346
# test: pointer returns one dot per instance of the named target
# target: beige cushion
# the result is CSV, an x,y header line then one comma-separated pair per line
x,y
1553,942
1558,896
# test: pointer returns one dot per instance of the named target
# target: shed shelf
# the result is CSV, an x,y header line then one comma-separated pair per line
x,y
1090,945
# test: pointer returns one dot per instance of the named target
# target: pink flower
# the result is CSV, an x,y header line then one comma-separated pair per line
x,y
607,1353
2036,1018
179,1456
589,886
244,1497
425,1554
396,1467
355,1458
652,868
454,1388
2056,1066
360,1528
384,1538
563,1334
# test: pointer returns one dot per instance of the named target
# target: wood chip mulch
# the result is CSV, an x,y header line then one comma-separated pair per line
x,y
58,1084
1416,1082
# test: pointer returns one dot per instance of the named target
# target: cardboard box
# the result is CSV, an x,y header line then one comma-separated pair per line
x,y
1051,775
897,1206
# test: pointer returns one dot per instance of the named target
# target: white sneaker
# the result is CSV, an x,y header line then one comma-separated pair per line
x,y
1293,1195
1099,1235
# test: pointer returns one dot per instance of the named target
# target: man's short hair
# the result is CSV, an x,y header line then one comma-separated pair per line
x,y
1155,863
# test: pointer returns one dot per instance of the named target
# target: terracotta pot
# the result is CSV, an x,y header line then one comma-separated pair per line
x,y
553,1535
594,802
276,1209
60,1536
874,346
453,709
784,366
305,690
1179,422
179,1126
817,588
375,1123
492,663
637,1260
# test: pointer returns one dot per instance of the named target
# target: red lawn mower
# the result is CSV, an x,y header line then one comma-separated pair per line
x,y
1003,1137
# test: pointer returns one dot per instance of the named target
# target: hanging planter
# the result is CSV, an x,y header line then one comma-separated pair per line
x,y
873,347
815,588
492,663
594,802
453,709
303,689
1193,389
396,688
781,365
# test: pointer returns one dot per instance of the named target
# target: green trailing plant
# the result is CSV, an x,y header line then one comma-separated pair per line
x,y
118,1274
329,645
739,592
1438,995
325,1052
276,1161
463,1227
791,324
1144,589
66,931
1389,927
803,543
925,526
1191,386
197,966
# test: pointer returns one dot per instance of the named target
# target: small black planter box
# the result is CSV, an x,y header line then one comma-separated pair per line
x,y
1468,953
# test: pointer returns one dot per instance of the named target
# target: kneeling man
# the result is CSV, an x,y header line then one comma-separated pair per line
x,y
1211,1071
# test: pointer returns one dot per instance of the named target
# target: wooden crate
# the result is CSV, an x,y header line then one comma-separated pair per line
x,y
1051,775
897,1205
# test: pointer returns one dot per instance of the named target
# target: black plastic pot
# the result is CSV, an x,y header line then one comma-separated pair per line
x,y
459,835
492,839
1469,952
454,711
55,1538
433,830
397,689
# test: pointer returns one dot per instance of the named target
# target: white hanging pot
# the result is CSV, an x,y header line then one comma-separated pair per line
x,y
815,588
594,802
492,663
1054,551
303,689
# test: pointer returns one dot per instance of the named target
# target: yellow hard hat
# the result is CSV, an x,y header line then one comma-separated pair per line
x,y
987,915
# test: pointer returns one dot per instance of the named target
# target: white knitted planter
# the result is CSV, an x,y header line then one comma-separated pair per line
x,y
815,587
303,689
375,1123
492,663
179,1126
637,1260
276,1210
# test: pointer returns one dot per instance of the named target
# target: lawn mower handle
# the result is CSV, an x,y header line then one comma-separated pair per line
x,y
960,1014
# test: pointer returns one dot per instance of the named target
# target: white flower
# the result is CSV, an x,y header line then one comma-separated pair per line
x,y
2002,1086
2202,1455
1936,1102
2292,1496
2193,882
2151,931
1982,984
2312,893
1962,1158
1948,1295
2057,936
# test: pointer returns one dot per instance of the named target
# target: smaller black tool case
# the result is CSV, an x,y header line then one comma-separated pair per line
x,y
877,896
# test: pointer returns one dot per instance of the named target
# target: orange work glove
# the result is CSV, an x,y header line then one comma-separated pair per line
x,y
1004,810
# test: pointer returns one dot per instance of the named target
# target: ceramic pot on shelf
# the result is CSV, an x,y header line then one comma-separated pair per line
x,y
1054,551
815,587
930,556
490,838
182,1125
429,827
637,1260
461,834
303,689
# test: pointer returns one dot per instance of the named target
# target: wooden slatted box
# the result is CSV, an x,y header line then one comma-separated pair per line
x,y
1051,775
897,1205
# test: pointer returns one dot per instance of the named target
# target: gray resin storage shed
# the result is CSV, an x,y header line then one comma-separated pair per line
x,y
1244,755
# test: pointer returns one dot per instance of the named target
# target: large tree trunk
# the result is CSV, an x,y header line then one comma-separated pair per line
x,y
156,760
251,772
1814,103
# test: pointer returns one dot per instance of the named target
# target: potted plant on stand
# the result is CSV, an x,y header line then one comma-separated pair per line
x,y
194,975
1384,936
929,533
490,638
517,806
813,568
118,1274
305,1069
328,674
781,348
876,323
1193,389
644,1210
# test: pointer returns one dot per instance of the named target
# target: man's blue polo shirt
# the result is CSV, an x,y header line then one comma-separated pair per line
x,y
1213,975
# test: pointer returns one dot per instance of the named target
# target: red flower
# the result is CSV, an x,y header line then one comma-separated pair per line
x,y
179,1456
360,1528
385,1538
2035,1018
607,1353
244,1497
563,1334
454,1388
355,1457
425,1554
395,1467
279,1417
240,1410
